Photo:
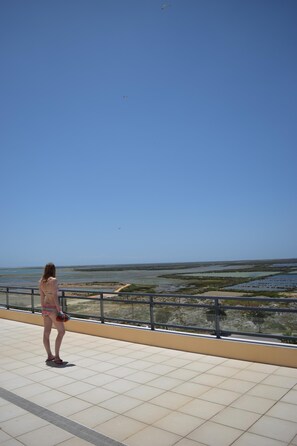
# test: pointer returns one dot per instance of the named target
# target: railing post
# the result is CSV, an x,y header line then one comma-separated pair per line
x,y
7,298
101,308
152,313
64,302
32,301
217,319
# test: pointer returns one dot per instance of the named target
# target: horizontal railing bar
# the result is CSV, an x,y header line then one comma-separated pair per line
x,y
130,321
156,295
262,335
268,309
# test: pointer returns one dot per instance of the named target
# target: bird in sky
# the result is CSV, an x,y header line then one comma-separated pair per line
x,y
165,6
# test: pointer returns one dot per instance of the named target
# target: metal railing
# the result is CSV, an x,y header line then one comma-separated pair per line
x,y
273,319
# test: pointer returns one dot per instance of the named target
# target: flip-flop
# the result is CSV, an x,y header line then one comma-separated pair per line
x,y
59,361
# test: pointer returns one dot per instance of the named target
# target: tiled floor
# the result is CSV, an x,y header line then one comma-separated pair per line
x,y
139,395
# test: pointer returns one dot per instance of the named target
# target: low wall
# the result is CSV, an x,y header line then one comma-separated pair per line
x,y
280,355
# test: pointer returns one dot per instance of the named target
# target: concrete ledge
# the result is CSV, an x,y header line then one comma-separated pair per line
x,y
280,355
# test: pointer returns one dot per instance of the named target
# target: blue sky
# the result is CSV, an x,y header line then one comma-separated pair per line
x,y
135,133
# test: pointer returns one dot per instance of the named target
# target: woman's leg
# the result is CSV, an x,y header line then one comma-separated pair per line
x,y
61,331
46,335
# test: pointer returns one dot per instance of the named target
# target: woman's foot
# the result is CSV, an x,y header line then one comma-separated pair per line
x,y
58,361
50,359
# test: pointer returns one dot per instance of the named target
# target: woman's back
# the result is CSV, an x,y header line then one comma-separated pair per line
x,y
49,288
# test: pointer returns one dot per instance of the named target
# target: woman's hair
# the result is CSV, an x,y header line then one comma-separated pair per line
x,y
49,271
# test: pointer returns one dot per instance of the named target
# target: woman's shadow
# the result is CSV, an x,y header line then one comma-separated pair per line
x,y
60,366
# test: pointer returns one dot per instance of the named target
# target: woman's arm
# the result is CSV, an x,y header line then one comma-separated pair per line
x,y
41,295
55,289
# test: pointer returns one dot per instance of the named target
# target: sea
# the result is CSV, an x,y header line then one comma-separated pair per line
x,y
151,274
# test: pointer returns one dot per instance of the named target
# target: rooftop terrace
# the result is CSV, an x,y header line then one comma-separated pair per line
x,y
114,392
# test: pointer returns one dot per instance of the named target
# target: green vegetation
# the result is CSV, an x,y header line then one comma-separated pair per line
x,y
198,285
139,288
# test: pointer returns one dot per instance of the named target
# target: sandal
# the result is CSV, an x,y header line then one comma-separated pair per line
x,y
50,359
58,361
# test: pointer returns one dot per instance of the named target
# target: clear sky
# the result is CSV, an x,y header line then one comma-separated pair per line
x,y
147,131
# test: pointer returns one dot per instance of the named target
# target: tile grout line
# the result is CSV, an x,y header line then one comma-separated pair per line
x,y
64,423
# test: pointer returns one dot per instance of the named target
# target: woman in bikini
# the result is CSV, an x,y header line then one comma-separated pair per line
x,y
48,288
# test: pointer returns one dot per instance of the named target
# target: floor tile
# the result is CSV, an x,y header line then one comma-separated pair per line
x,y
120,403
183,374
171,400
76,388
220,396
248,375
121,372
42,375
215,360
237,363
249,439
27,370
74,441
23,424
144,392
46,398
237,385
191,389
177,362
31,390
237,418
223,371
100,379
120,385
4,437
142,377
264,368
92,416
97,395
78,373
120,427
201,409
213,434
188,442
269,392
59,381
253,404
199,367
160,369
164,382
179,423
9,411
280,381
152,435
50,435
147,413
282,430
284,411
290,397
158,357
69,406
208,380
17,382
287,371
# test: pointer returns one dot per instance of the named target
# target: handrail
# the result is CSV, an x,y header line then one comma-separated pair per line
x,y
210,311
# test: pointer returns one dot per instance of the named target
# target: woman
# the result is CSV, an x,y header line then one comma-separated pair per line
x,y
48,288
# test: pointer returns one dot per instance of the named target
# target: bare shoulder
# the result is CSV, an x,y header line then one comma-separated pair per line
x,y
52,280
